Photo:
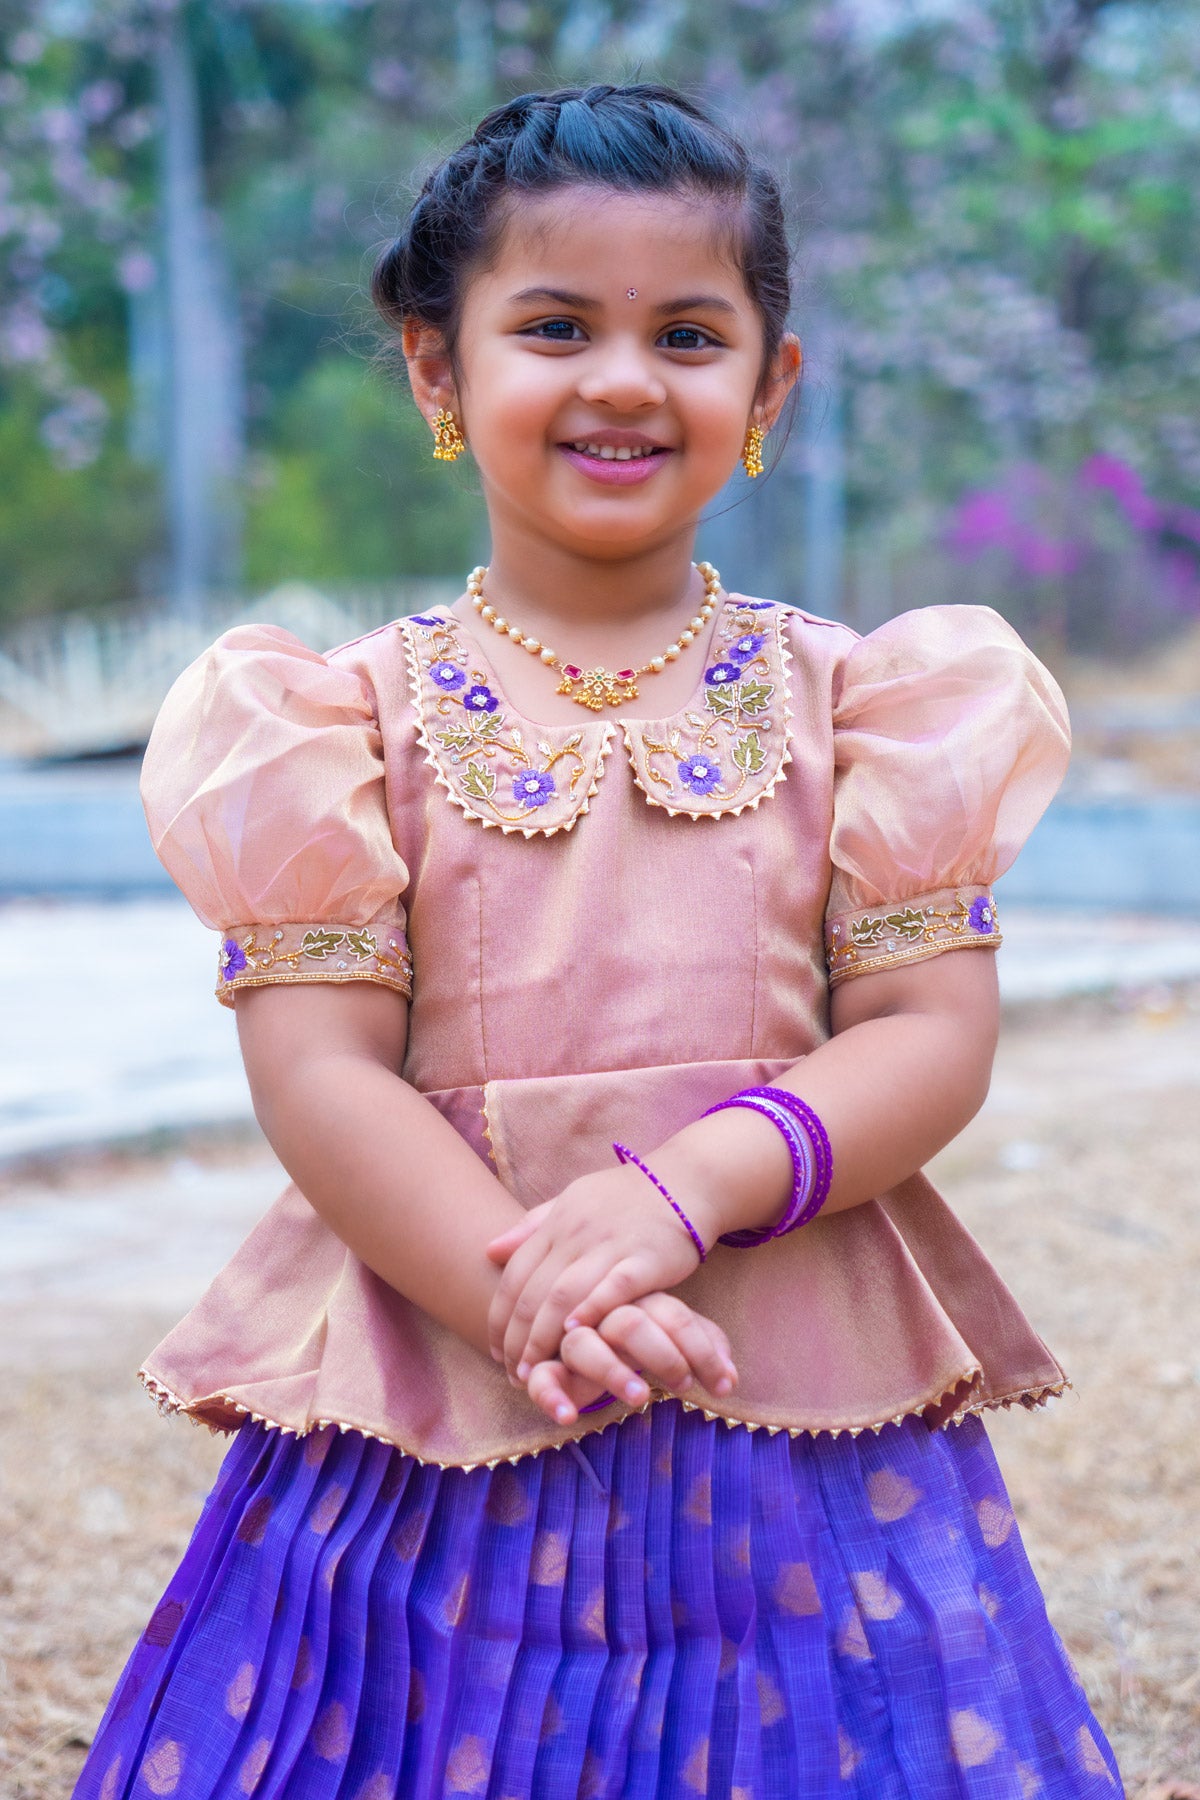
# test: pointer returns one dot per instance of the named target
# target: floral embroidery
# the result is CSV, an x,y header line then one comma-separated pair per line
x,y
748,646
700,773
534,787
921,927
480,750
731,750
232,958
313,953
982,915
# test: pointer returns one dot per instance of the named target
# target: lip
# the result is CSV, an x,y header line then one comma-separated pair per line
x,y
613,473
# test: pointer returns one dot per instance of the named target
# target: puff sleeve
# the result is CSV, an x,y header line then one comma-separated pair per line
x,y
950,739
263,787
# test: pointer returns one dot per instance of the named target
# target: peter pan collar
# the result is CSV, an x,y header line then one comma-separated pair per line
x,y
724,752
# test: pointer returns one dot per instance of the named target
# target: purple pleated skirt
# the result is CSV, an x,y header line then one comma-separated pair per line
x,y
673,1608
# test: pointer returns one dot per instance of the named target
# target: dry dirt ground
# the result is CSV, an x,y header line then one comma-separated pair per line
x,y
1079,1177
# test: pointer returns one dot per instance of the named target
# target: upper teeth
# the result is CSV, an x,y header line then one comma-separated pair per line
x,y
611,453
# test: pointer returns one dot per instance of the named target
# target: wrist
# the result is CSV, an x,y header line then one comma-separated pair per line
x,y
730,1172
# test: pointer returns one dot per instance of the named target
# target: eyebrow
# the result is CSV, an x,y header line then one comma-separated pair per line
x,y
583,303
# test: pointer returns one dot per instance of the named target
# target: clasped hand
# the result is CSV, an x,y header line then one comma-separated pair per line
x,y
581,1304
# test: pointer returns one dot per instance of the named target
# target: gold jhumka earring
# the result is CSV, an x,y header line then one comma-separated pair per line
x,y
448,441
752,460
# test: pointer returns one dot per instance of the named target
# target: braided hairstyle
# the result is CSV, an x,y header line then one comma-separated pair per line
x,y
641,138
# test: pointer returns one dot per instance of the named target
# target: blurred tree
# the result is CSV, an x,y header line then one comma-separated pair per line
x,y
996,208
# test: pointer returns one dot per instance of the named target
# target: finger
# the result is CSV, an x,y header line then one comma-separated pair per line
x,y
560,1300
501,1248
585,1351
700,1339
560,1392
641,1340
624,1283
547,1296
522,1265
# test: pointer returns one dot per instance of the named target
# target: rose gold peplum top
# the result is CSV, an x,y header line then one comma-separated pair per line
x,y
605,927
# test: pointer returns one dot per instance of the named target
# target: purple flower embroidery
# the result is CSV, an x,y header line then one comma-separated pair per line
x,y
748,646
756,605
419,620
981,915
533,787
480,699
448,675
722,672
699,773
233,959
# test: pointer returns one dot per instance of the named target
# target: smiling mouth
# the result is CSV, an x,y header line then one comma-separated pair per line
x,y
614,453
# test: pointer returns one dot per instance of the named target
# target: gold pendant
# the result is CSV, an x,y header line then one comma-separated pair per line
x,y
598,688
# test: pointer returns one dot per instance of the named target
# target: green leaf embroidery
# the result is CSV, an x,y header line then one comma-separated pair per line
x,y
907,924
756,696
748,754
723,700
479,781
455,738
362,943
487,725
867,932
321,943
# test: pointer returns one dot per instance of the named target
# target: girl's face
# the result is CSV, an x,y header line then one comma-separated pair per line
x,y
609,363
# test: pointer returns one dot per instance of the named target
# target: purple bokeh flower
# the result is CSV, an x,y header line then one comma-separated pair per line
x,y
448,675
748,646
981,915
233,959
480,699
533,787
699,773
722,672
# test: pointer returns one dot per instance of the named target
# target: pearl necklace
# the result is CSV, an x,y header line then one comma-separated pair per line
x,y
597,688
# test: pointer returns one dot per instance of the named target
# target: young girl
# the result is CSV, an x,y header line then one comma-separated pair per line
x,y
607,1385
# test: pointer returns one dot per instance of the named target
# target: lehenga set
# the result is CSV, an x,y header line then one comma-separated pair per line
x,y
408,1581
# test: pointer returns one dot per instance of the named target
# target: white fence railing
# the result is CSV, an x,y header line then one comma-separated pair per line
x,y
76,684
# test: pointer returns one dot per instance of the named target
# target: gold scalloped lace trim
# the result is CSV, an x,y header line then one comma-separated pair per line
x,y
168,1402
729,724
493,745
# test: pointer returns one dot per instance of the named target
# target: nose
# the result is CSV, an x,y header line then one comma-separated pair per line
x,y
620,373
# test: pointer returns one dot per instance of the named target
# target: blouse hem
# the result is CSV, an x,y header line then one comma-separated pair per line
x,y
932,1408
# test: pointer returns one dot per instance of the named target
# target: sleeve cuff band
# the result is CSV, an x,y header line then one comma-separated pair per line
x,y
904,931
256,955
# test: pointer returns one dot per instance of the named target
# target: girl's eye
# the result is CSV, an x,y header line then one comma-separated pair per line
x,y
686,337
555,331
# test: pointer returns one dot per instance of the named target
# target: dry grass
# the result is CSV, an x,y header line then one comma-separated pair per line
x,y
1080,1181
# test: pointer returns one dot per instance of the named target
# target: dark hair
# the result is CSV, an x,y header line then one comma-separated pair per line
x,y
639,138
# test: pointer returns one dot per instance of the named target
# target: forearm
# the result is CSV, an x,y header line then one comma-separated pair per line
x,y
891,1090
380,1165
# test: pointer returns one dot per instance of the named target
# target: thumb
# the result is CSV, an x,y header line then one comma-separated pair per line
x,y
501,1248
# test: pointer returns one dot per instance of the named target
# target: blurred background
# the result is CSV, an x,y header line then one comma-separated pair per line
x,y
996,215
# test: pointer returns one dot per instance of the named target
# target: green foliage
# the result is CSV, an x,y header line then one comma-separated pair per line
x,y
349,487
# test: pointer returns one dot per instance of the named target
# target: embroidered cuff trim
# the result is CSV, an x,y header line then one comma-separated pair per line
x,y
256,955
882,937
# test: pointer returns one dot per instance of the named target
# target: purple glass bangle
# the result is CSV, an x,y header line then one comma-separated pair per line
x,y
625,1155
776,1104
817,1135
803,1172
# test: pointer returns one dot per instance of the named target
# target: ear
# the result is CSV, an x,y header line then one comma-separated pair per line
x,y
430,372
779,380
